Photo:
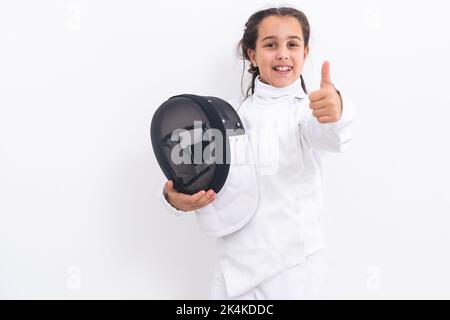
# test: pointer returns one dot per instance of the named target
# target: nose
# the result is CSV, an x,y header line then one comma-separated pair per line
x,y
282,56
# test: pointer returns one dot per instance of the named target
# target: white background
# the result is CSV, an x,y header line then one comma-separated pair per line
x,y
80,80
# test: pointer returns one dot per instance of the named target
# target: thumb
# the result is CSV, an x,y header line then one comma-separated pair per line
x,y
169,186
325,81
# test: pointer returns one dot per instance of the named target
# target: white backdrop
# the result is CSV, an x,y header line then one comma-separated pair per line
x,y
80,80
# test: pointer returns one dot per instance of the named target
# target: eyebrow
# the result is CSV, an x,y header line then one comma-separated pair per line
x,y
274,37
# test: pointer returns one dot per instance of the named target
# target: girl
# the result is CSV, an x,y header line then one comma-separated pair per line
x,y
279,253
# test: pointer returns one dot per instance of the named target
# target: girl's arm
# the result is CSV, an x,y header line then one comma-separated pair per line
x,y
331,137
329,126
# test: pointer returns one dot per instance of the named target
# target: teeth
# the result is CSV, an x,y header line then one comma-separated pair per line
x,y
279,68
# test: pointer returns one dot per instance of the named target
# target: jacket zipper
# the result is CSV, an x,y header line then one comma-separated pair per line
x,y
299,147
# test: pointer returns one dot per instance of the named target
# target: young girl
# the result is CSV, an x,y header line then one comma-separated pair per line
x,y
279,253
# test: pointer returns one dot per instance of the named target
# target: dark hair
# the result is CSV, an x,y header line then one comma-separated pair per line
x,y
250,36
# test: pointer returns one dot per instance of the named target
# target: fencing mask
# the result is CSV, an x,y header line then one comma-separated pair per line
x,y
200,144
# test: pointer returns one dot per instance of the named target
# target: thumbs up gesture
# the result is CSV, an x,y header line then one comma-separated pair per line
x,y
326,102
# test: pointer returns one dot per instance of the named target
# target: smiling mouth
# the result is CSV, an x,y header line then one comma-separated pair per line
x,y
283,69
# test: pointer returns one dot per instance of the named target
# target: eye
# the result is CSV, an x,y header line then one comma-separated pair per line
x,y
293,44
269,44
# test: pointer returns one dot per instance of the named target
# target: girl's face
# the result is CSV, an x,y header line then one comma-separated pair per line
x,y
280,52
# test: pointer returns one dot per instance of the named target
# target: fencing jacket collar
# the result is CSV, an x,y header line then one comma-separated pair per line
x,y
266,94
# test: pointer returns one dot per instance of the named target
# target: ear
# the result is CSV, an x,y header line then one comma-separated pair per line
x,y
306,53
251,53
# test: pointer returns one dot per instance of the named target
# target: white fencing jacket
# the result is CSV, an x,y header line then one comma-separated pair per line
x,y
287,143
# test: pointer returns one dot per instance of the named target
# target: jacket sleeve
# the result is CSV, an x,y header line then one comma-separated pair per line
x,y
331,137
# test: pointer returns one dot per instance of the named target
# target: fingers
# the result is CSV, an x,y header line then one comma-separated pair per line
x,y
196,196
322,112
211,199
325,109
317,95
206,199
187,199
319,104
197,200
327,119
